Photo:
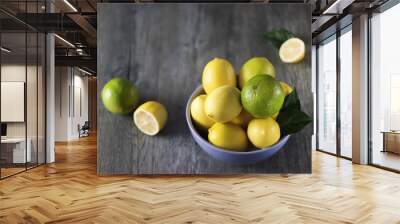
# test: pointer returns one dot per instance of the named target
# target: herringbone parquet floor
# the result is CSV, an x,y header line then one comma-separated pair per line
x,y
69,191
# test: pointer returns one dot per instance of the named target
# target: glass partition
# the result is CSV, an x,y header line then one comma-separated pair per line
x,y
14,153
22,98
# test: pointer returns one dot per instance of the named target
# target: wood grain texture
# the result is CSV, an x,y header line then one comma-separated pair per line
x,y
163,48
70,191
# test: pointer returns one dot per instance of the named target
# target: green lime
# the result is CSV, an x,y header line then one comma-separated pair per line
x,y
262,96
119,96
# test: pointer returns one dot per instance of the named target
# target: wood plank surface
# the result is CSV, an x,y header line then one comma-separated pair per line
x,y
163,48
70,191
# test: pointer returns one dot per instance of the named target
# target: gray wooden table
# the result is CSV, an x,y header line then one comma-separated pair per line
x,y
163,48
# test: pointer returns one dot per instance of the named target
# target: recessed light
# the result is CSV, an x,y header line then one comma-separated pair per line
x,y
64,40
5,50
84,71
70,5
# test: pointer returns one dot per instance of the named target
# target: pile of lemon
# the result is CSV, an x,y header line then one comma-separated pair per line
x,y
220,112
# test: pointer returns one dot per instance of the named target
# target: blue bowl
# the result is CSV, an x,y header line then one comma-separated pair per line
x,y
251,156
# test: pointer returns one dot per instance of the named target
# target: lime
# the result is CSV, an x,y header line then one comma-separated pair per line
x,y
255,66
223,104
292,50
198,114
218,72
150,117
228,136
263,132
262,96
119,96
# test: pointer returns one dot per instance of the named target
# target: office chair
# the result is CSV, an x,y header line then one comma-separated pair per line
x,y
84,130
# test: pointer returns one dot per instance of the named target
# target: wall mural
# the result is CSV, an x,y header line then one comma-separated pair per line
x,y
204,88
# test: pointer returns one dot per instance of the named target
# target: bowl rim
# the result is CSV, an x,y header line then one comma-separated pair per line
x,y
197,92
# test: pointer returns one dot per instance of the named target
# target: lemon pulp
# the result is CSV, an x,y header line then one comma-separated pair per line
x,y
292,50
150,117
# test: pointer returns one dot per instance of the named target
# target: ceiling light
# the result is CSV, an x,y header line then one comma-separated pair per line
x,y
65,41
333,6
5,50
70,5
84,71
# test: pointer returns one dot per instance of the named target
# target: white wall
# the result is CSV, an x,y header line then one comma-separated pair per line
x,y
71,110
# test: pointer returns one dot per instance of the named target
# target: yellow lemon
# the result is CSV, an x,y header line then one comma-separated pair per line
x,y
223,104
263,132
286,88
150,117
292,50
243,119
228,136
255,66
218,72
198,114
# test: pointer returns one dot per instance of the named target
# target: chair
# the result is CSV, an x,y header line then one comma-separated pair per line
x,y
84,130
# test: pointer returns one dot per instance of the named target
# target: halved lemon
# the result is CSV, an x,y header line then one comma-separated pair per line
x,y
150,117
292,50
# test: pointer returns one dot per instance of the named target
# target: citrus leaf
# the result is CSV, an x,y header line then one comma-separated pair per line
x,y
292,101
292,120
278,36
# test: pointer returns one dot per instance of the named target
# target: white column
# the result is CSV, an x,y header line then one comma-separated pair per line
x,y
360,90
50,93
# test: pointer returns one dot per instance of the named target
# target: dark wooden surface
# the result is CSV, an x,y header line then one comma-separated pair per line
x,y
163,48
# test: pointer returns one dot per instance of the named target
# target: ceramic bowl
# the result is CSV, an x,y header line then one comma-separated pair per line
x,y
248,157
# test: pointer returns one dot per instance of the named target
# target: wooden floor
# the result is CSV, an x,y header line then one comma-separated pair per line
x,y
69,191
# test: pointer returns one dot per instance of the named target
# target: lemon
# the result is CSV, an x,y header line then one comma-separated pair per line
x,y
198,114
263,132
292,50
255,66
243,119
223,104
286,88
218,72
150,117
228,136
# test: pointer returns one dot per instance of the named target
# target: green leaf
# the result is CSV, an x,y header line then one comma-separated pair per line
x,y
278,36
291,101
293,120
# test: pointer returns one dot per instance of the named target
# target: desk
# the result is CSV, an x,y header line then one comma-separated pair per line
x,y
16,147
391,141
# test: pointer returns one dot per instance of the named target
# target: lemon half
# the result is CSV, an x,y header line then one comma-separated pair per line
x,y
150,117
292,50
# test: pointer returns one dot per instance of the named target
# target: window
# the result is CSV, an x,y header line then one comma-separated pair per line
x,y
326,60
385,89
334,106
346,92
